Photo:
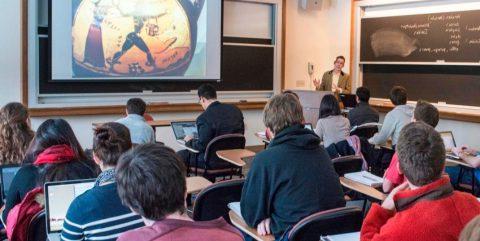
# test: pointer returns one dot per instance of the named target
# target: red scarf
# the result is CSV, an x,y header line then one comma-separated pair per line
x,y
55,155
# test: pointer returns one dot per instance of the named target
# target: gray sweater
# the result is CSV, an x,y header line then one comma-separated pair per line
x,y
332,129
393,123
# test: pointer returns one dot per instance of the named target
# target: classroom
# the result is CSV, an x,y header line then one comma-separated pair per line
x,y
300,120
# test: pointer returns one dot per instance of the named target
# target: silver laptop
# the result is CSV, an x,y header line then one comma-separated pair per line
x,y
449,142
181,129
7,174
58,197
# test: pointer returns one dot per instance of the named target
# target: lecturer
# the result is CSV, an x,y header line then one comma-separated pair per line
x,y
335,80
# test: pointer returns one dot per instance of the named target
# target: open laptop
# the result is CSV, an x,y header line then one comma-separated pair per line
x,y
449,142
349,101
58,197
309,126
184,128
7,174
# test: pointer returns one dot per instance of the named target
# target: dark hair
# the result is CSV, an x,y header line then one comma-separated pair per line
x,y
339,57
50,133
110,141
136,106
207,91
398,95
15,133
151,181
363,94
73,170
291,92
329,106
427,113
421,153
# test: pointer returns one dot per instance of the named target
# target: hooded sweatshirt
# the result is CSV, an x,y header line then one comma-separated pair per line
x,y
393,123
291,179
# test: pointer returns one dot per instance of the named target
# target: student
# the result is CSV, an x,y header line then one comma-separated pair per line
x,y
50,133
55,163
151,181
15,133
332,127
363,113
217,119
425,207
140,131
471,232
396,119
98,214
293,177
425,112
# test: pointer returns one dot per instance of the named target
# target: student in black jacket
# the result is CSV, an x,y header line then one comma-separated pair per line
x,y
217,119
363,113
293,177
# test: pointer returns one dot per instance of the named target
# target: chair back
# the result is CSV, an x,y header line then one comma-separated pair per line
x,y
365,131
341,148
37,228
330,222
219,143
347,164
212,202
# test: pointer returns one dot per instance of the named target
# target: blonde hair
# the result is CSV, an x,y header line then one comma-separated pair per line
x,y
282,111
471,232
15,133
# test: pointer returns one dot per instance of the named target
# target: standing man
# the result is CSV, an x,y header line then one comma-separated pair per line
x,y
335,80
217,119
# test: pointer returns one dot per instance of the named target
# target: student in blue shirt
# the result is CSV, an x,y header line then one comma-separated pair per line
x,y
99,214
140,131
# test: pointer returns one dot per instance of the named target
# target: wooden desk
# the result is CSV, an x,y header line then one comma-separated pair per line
x,y
361,188
163,123
235,156
197,184
188,148
457,162
240,224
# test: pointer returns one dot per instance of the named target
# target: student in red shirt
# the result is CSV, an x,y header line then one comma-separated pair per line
x,y
425,207
151,181
425,112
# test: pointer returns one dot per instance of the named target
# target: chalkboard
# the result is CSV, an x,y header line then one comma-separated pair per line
x,y
444,37
459,85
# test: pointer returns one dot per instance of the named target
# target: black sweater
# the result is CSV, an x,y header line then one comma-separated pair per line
x,y
291,179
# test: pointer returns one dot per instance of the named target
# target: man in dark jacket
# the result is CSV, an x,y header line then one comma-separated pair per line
x,y
217,119
363,113
293,177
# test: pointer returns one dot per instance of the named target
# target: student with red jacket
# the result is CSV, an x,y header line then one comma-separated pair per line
x,y
425,207
151,181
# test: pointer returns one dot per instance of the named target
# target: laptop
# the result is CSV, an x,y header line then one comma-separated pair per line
x,y
449,142
58,197
349,101
181,129
7,174
309,126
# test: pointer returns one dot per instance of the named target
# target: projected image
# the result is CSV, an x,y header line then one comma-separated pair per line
x,y
138,38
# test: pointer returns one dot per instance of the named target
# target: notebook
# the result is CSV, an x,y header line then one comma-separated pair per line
x,y
58,197
365,178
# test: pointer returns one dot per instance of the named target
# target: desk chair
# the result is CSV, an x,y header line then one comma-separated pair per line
x,y
365,131
214,166
347,164
37,228
330,222
212,202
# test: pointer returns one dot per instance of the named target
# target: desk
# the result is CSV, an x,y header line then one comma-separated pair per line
x,y
263,138
188,148
460,162
162,123
240,224
463,165
197,184
235,156
355,236
361,188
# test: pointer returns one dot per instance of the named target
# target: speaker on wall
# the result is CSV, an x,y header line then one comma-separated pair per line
x,y
311,4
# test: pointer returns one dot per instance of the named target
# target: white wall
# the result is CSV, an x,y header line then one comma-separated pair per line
x,y
317,37
311,36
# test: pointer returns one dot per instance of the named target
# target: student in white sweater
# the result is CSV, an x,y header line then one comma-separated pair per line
x,y
396,119
332,127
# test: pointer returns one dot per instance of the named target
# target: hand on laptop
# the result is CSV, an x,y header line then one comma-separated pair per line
x,y
188,138
263,227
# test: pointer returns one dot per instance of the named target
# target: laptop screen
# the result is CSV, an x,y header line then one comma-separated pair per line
x,y
182,129
448,140
309,126
59,196
348,100
8,173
